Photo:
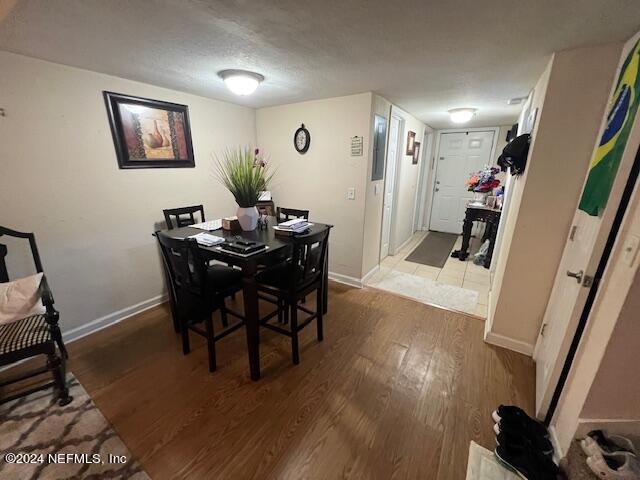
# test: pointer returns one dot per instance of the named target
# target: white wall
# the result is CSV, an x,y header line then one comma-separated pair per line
x,y
406,181
571,95
374,197
319,179
60,178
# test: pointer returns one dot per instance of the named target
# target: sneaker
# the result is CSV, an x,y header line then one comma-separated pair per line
x,y
528,464
516,439
598,441
515,414
615,466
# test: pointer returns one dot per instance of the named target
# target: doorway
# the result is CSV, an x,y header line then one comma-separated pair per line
x,y
395,133
459,155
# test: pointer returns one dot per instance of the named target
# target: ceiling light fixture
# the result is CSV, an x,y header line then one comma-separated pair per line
x,y
516,100
462,115
241,82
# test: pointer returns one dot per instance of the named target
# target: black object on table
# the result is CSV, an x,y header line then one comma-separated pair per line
x,y
277,249
479,213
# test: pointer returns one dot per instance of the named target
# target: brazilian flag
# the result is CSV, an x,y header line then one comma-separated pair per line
x,y
606,160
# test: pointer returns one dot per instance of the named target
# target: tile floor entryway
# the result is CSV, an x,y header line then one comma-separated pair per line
x,y
400,276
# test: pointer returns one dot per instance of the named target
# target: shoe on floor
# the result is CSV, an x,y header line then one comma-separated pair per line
x,y
528,464
518,440
515,414
615,466
598,441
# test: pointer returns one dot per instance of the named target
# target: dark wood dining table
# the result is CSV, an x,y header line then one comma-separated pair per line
x,y
278,249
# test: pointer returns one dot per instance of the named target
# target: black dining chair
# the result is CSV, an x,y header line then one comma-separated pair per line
x,y
284,214
34,335
200,290
183,216
290,281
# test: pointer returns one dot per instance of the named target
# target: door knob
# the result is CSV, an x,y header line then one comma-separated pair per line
x,y
437,182
576,275
437,189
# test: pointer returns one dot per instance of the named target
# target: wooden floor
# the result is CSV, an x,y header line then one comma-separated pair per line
x,y
398,389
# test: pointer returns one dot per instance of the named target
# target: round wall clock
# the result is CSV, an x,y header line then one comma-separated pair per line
x,y
302,139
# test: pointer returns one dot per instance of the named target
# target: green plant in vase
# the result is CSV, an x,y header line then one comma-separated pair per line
x,y
245,173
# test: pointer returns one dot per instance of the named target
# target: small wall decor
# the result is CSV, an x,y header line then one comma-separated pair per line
x,y
416,153
411,140
356,146
149,133
302,139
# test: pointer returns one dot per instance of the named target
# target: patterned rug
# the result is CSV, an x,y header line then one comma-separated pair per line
x,y
39,439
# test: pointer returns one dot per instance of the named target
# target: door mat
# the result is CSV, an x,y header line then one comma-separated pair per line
x,y
434,249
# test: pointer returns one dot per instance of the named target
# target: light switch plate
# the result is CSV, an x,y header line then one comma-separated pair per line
x,y
351,193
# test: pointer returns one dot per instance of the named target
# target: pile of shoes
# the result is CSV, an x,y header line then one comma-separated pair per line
x,y
612,457
523,444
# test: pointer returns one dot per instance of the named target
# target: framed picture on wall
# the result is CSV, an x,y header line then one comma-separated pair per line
x,y
411,140
149,133
416,152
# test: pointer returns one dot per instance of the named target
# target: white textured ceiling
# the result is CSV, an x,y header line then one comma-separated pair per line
x,y
424,56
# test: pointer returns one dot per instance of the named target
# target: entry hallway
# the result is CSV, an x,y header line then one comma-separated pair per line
x,y
398,389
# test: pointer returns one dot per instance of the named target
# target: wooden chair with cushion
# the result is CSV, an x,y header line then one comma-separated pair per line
x,y
183,216
34,335
284,214
290,281
200,290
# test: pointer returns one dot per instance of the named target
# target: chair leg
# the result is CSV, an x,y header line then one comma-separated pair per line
x,y
280,307
57,337
223,314
57,367
319,308
285,309
294,334
185,336
211,344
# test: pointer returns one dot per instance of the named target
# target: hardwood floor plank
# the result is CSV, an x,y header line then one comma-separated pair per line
x,y
397,390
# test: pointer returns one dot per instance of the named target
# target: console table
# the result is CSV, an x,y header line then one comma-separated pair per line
x,y
479,213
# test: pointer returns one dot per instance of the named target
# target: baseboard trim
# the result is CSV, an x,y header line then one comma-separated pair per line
x,y
346,279
404,244
618,426
112,318
558,452
508,343
371,273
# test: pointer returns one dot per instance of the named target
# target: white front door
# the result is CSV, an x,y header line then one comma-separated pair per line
x,y
460,155
582,254
389,185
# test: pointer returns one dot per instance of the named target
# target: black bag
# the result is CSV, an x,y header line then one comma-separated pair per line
x,y
514,155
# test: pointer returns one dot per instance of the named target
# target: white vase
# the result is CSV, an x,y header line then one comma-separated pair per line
x,y
480,198
248,218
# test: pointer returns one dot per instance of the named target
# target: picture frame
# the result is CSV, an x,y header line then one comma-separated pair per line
x,y
411,140
416,153
149,133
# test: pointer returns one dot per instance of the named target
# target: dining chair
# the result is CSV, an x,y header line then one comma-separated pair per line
x,y
289,282
183,216
284,214
34,335
200,290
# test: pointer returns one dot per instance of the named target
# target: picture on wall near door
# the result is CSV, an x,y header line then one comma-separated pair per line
x,y
149,133
411,142
416,153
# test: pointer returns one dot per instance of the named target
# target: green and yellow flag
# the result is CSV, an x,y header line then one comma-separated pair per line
x,y
606,160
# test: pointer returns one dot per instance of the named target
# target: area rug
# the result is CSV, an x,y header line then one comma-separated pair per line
x,y
53,442
434,250
429,291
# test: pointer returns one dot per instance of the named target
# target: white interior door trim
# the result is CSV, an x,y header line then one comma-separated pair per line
x,y
436,150
399,114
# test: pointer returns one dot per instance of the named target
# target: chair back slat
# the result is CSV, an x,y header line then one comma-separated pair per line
x,y
186,268
308,259
284,214
4,273
183,216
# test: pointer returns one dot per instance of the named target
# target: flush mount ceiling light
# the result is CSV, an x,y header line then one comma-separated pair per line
x,y
516,100
461,115
241,82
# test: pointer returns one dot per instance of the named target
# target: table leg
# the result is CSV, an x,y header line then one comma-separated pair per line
x,y
325,280
467,226
252,322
